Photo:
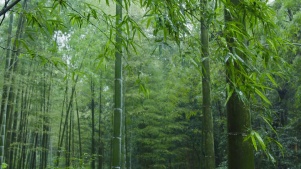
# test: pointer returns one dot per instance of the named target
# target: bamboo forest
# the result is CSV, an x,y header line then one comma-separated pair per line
x,y
150,84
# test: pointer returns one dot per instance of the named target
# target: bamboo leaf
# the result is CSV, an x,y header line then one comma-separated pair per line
x,y
262,96
260,140
278,144
272,79
254,142
229,93
271,44
108,2
271,157
269,124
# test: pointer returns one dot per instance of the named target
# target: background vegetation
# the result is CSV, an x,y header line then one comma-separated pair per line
x,y
57,68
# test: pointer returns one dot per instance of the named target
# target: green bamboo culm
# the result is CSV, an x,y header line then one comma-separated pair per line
x,y
117,116
208,143
240,152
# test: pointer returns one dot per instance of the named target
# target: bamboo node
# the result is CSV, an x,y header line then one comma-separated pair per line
x,y
237,133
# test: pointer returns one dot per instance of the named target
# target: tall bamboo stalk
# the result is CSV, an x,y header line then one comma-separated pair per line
x,y
78,129
117,116
208,144
240,153
100,146
93,124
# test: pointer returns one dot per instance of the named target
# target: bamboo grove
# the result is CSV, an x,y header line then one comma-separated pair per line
x,y
150,84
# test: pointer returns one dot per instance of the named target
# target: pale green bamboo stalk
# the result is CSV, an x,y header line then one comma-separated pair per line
x,y
117,116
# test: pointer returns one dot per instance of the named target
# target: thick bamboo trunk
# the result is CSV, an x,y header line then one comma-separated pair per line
x,y
208,145
240,153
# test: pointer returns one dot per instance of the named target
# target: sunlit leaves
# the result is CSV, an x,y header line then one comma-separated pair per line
x,y
268,122
76,19
253,47
262,96
142,87
259,143
59,3
167,17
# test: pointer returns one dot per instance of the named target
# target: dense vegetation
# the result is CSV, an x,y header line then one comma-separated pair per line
x,y
150,84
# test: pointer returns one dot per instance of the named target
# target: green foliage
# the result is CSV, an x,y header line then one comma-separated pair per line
x,y
256,138
4,165
71,42
249,48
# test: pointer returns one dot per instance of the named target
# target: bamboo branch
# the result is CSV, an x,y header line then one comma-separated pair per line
x,y
7,8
